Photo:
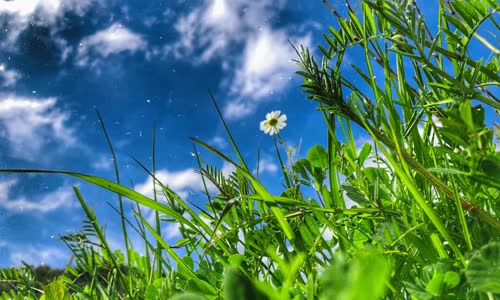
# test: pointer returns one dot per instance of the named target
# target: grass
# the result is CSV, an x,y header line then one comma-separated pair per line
x,y
424,224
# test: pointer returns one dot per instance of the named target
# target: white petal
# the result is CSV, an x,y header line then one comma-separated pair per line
x,y
263,125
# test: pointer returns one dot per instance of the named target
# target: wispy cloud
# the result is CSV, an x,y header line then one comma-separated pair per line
x,y
258,72
21,13
112,40
267,68
30,124
266,165
218,142
209,30
63,197
184,182
37,255
103,163
267,64
8,77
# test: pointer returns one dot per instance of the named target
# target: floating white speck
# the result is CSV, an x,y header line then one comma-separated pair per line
x,y
148,101
34,92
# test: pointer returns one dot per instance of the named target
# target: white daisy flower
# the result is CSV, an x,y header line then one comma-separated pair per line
x,y
273,122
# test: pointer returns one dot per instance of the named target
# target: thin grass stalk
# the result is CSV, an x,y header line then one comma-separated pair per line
x,y
155,198
406,178
102,239
120,199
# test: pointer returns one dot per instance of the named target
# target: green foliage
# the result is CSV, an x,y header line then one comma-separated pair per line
x,y
363,277
483,270
405,207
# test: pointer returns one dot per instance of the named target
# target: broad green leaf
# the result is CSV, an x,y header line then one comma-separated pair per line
x,y
318,157
56,290
364,277
200,286
483,270
490,165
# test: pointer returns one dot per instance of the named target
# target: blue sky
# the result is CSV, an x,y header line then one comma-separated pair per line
x,y
137,62
141,62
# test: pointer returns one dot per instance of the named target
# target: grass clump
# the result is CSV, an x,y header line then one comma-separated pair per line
x,y
411,215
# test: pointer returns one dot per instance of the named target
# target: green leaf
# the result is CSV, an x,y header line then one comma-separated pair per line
x,y
483,270
361,278
56,290
157,290
490,165
318,157
189,296
302,166
363,154
451,279
436,285
201,286
238,286
236,259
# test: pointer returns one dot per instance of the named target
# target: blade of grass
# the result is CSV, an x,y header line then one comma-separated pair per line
x,y
259,188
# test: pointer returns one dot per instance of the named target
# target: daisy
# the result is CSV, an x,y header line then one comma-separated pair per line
x,y
273,122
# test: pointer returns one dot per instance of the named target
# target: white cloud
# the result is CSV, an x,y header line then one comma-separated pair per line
x,y
227,168
209,30
218,142
263,68
183,182
267,165
38,255
21,13
267,64
266,69
30,124
103,163
171,231
8,77
63,197
237,109
112,40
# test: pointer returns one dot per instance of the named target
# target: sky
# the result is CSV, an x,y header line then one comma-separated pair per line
x,y
140,63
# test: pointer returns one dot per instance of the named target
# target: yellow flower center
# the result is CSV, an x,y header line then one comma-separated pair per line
x,y
273,122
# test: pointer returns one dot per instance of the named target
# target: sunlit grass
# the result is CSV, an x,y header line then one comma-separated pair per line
x,y
420,222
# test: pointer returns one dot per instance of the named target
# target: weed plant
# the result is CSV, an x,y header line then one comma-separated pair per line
x,y
411,215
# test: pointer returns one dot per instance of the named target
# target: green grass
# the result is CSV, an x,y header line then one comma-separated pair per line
x,y
425,221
